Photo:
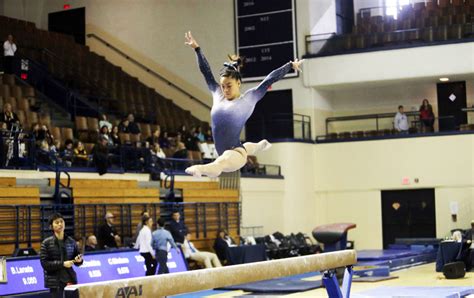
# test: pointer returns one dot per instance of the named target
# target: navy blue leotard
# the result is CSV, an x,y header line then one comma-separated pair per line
x,y
228,117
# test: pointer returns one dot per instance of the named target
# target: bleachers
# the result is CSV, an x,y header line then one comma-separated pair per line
x,y
22,98
77,66
99,191
208,194
11,194
416,24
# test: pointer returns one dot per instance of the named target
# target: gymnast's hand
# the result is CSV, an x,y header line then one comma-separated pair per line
x,y
296,64
190,41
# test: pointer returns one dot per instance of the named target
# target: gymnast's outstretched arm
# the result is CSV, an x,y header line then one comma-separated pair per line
x,y
202,62
258,92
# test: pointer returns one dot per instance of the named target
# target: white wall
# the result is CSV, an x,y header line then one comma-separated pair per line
x,y
342,182
263,204
299,206
384,66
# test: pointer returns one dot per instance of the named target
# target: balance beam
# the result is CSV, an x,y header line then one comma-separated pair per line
x,y
198,280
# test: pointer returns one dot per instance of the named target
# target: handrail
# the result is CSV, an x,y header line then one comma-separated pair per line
x,y
366,117
70,94
303,120
148,70
369,116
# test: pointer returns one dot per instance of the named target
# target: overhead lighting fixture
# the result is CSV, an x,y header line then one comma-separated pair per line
x,y
444,79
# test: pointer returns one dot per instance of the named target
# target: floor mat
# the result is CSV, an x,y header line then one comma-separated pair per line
x,y
276,286
412,292
373,278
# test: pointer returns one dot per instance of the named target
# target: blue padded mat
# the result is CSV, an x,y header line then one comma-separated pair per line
x,y
198,294
283,285
387,254
412,292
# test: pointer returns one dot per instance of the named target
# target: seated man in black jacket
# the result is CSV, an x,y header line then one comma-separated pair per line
x,y
107,236
177,228
58,254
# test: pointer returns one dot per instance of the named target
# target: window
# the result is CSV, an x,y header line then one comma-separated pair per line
x,y
392,7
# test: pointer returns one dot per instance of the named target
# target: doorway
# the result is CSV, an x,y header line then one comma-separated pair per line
x,y
451,101
408,214
71,22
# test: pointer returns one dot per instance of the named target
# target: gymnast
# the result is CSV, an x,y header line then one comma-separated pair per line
x,y
230,110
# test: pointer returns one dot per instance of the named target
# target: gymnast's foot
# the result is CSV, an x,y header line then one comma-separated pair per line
x,y
264,145
209,170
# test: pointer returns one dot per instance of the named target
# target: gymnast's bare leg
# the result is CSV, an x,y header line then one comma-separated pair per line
x,y
229,161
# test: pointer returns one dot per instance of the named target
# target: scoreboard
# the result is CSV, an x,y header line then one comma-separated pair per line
x,y
265,36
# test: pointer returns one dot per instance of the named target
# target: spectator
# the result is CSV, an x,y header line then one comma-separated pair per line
x,y
209,259
426,116
114,136
181,151
41,133
457,236
104,122
107,236
9,49
132,125
161,238
104,133
140,224
154,164
8,116
164,141
208,136
100,155
156,151
91,243
183,131
190,141
36,132
469,236
199,135
67,155
54,150
47,134
123,126
401,121
80,155
143,244
222,242
78,243
177,228
58,254
155,137
43,154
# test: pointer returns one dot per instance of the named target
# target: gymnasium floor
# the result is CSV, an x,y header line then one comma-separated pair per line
x,y
418,276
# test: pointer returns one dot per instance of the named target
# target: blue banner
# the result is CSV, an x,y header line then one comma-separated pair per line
x,y
26,274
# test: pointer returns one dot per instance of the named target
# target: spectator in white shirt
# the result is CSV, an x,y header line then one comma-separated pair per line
x,y
156,151
9,49
143,243
401,121
103,121
209,259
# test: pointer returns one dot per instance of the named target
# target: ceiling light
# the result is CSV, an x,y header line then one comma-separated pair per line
x,y
444,79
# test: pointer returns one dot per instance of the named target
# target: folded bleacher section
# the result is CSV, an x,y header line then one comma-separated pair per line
x,y
417,23
105,85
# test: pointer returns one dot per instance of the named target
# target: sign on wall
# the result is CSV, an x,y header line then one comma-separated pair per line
x,y
265,36
26,274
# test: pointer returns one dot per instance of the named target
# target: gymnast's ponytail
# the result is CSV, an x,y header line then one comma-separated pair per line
x,y
231,69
